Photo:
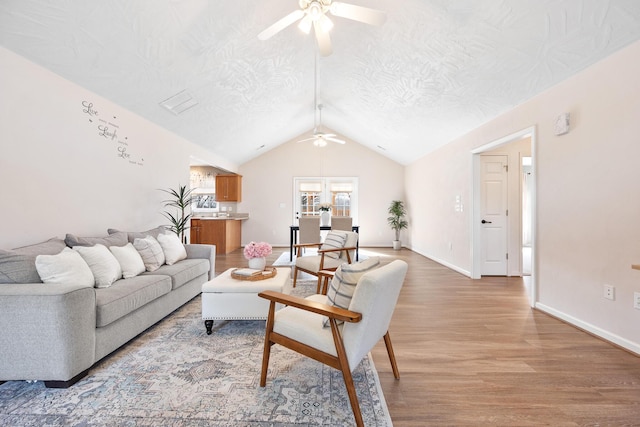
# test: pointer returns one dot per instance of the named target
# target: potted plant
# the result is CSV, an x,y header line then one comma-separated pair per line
x,y
396,220
181,199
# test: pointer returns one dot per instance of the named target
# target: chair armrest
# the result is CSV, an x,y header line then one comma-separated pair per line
x,y
337,249
299,246
315,307
306,245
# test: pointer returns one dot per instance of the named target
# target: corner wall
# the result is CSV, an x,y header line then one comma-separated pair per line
x,y
588,196
60,173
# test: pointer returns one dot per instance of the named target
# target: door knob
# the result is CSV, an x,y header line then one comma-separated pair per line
x,y
486,222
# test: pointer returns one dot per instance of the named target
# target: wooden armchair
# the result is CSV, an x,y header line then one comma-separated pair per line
x,y
299,326
331,254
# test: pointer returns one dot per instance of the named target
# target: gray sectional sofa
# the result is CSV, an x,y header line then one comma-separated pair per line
x,y
57,332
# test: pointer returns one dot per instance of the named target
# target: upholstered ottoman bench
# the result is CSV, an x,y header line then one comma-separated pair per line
x,y
226,298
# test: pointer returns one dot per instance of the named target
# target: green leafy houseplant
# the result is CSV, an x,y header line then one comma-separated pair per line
x,y
396,219
180,199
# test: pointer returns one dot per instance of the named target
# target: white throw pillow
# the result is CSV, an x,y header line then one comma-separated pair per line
x,y
65,267
344,282
129,260
104,266
174,251
334,240
150,251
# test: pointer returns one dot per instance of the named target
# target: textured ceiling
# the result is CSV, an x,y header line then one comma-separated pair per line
x,y
435,70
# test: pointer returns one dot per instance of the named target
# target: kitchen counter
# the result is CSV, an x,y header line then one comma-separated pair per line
x,y
224,232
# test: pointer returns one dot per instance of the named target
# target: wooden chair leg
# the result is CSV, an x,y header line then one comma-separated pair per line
x,y
392,356
295,276
267,344
346,373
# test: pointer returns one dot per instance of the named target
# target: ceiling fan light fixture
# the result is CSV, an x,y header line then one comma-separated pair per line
x,y
315,11
320,142
305,24
326,24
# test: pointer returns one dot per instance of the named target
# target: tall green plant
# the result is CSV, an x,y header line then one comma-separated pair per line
x,y
181,200
396,217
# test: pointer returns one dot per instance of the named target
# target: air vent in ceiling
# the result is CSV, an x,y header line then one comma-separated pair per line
x,y
180,102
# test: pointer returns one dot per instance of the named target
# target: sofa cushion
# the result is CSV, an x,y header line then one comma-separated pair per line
x,y
173,249
19,265
104,266
133,235
127,295
150,251
116,239
184,271
129,260
65,267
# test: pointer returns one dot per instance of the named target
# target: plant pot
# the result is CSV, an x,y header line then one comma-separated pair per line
x,y
258,263
397,245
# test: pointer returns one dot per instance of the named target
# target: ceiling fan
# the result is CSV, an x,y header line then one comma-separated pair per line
x,y
314,13
320,138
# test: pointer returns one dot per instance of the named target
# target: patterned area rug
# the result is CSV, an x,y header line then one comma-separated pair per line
x,y
174,374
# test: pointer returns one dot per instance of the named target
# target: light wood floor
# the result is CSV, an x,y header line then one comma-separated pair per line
x,y
473,353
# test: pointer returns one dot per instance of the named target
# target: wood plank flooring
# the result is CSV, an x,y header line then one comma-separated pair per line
x,y
472,352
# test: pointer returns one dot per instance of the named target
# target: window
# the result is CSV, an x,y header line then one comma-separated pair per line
x,y
340,192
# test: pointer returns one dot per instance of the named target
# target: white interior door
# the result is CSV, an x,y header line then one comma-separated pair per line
x,y
493,214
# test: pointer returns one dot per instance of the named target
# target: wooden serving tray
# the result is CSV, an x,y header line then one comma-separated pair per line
x,y
268,273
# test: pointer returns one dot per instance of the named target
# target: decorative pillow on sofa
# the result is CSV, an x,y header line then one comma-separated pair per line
x,y
19,265
104,266
150,251
173,250
115,239
344,282
133,235
129,259
65,267
335,239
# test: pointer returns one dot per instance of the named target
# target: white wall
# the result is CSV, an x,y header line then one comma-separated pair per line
x,y
268,184
588,196
58,175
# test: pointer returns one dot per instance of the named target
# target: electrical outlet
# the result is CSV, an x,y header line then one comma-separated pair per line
x,y
609,292
636,300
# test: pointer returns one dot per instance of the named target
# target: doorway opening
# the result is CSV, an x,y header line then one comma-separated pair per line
x,y
521,228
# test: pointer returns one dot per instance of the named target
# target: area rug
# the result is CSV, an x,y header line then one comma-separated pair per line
x,y
174,374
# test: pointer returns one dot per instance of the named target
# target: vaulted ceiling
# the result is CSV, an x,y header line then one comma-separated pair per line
x,y
435,70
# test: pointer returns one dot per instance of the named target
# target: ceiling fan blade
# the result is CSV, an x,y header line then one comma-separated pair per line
x,y
339,141
358,13
281,25
324,40
308,139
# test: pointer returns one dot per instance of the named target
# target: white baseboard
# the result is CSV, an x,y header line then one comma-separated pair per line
x,y
445,263
605,335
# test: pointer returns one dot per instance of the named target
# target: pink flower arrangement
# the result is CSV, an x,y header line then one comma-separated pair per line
x,y
257,250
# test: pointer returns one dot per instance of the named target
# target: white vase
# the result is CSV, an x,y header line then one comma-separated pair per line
x,y
325,218
258,263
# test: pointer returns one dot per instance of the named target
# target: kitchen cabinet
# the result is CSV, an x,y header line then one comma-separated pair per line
x,y
229,188
226,234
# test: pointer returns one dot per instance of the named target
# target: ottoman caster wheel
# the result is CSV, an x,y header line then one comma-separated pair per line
x,y
209,325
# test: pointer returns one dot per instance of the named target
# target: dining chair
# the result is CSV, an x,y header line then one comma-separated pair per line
x,y
351,333
339,247
309,230
341,223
